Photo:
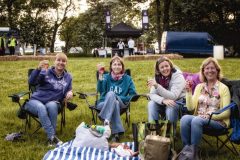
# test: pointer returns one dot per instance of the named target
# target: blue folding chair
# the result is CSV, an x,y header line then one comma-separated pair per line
x,y
227,133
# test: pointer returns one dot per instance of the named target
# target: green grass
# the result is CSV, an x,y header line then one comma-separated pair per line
x,y
14,78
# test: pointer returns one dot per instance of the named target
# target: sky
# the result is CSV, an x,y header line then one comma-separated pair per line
x,y
83,5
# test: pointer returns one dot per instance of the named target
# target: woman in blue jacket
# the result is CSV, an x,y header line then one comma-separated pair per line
x,y
116,90
54,84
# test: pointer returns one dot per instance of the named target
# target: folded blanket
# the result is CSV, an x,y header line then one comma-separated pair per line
x,y
67,152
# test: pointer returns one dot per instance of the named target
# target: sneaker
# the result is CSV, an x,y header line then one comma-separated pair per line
x,y
106,122
54,141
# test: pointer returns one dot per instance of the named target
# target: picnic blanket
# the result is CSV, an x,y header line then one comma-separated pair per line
x,y
67,152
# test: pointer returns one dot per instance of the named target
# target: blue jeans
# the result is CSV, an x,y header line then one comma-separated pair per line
x,y
191,128
110,110
47,114
154,109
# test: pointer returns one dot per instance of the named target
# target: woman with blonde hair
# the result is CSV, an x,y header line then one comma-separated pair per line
x,y
54,84
209,96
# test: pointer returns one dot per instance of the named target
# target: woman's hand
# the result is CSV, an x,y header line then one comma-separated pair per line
x,y
43,65
188,86
169,102
69,95
152,82
101,70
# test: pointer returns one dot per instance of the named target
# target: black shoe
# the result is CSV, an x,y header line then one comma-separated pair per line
x,y
54,141
116,138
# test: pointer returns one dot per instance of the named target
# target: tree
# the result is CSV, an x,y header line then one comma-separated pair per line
x,y
61,11
68,33
33,25
86,30
10,11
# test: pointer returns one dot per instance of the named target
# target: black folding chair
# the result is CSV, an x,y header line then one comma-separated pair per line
x,y
94,109
25,114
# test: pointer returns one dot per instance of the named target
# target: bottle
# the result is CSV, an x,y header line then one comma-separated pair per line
x,y
99,129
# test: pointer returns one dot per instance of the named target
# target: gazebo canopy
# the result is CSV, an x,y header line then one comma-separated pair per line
x,y
122,30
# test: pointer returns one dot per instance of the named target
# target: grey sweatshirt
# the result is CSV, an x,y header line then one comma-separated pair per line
x,y
175,91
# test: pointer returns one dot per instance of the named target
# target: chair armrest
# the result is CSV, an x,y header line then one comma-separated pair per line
x,y
85,95
17,96
137,96
180,103
231,105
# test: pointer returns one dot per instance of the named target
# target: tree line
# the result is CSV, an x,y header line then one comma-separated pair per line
x,y
219,18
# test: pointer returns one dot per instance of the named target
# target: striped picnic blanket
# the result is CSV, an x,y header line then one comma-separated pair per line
x,y
67,152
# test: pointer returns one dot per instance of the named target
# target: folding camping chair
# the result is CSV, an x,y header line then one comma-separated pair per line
x,y
94,109
26,115
222,133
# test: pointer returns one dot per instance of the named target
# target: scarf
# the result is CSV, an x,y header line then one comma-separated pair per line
x,y
117,77
163,81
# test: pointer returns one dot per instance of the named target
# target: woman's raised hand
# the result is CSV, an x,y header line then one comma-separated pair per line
x,y
44,64
151,82
188,85
101,70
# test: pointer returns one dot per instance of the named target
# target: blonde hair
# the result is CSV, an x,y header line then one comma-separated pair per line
x,y
207,62
114,59
62,56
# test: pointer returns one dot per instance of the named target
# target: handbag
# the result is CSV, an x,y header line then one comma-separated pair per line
x,y
156,147
162,129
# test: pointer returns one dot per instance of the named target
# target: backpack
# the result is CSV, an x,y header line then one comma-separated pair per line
x,y
189,152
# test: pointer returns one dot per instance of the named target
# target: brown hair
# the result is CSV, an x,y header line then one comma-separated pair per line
x,y
207,62
160,60
121,61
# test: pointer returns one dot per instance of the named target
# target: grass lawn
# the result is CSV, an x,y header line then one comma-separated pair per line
x,y
13,78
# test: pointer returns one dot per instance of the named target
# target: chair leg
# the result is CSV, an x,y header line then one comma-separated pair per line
x,y
224,143
94,116
63,119
207,142
38,128
127,121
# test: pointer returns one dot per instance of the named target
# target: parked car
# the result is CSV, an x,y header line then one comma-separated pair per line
x,y
27,50
102,52
75,50
150,51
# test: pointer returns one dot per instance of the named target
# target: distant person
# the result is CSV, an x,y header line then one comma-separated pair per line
x,y
12,43
120,46
2,45
131,45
